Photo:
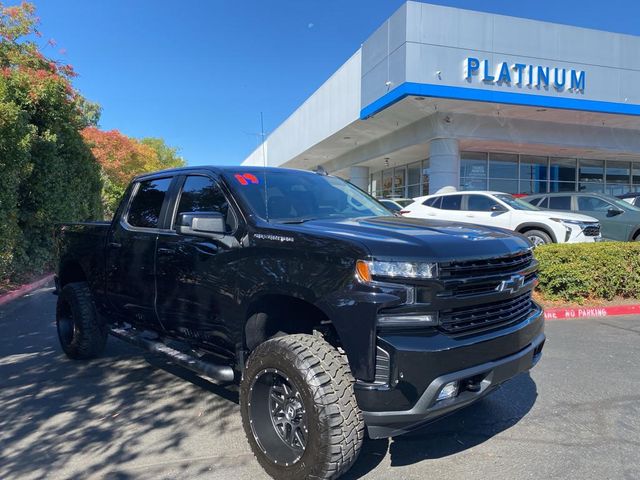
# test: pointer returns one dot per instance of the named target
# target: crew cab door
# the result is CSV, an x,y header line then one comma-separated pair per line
x,y
195,277
130,252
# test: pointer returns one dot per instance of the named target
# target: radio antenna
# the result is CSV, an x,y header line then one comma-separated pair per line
x,y
264,163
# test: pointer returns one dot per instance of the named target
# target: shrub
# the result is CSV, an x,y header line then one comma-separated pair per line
x,y
576,272
47,173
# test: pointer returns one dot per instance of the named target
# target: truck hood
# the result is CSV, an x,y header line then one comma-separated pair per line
x,y
416,238
560,214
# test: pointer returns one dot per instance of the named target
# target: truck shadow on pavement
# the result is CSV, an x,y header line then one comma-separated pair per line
x,y
453,434
65,419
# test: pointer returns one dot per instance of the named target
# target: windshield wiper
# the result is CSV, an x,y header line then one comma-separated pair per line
x,y
300,220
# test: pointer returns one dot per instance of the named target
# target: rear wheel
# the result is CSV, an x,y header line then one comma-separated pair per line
x,y
299,410
538,237
81,332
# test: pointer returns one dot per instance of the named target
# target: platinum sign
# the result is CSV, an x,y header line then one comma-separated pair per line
x,y
520,74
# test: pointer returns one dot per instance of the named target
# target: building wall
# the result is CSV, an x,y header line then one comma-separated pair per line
x,y
438,40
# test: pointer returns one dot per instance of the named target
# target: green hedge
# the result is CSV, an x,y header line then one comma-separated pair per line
x,y
589,271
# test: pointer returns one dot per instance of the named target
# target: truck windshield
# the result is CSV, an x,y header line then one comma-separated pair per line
x,y
296,197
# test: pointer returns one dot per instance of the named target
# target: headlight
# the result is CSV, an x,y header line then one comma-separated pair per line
x,y
419,270
408,320
580,223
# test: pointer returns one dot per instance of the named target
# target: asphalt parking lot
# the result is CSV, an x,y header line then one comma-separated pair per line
x,y
129,415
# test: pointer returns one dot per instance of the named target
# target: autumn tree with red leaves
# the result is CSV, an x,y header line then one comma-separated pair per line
x,y
122,157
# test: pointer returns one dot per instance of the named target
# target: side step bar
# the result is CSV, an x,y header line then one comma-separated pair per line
x,y
223,373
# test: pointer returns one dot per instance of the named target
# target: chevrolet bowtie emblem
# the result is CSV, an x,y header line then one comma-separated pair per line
x,y
515,283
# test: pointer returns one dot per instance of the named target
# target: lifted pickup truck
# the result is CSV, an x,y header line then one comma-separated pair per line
x,y
334,315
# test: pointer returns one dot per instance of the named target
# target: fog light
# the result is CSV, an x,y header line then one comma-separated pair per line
x,y
450,390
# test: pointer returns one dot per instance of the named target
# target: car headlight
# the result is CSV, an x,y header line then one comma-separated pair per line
x,y
366,270
565,221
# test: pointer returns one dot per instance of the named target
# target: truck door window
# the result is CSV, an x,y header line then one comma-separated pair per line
x,y
202,194
145,208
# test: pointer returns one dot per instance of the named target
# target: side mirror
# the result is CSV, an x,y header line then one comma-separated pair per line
x,y
201,224
613,211
497,208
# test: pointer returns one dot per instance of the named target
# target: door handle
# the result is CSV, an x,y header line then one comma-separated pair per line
x,y
166,251
115,244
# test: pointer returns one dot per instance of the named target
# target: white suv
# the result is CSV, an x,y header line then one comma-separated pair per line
x,y
497,209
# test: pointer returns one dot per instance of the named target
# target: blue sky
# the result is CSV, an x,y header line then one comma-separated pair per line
x,y
198,73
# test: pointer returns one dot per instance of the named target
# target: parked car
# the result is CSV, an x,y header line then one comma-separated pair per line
x,y
498,209
619,220
333,315
633,198
392,205
403,202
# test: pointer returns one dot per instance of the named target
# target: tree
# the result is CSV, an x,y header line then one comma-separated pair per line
x,y
122,157
167,156
47,173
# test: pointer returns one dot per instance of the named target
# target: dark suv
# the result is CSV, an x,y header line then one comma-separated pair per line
x,y
619,220
333,314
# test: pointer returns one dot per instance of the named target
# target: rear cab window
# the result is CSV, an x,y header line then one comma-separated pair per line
x,y
148,200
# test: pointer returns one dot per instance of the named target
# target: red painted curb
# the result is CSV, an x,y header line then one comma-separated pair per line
x,y
586,312
24,289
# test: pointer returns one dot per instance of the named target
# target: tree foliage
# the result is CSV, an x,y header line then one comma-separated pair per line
x,y
122,157
47,173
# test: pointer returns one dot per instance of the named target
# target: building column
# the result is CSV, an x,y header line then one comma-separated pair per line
x,y
444,164
359,176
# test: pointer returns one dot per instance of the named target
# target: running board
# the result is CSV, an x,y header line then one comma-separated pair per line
x,y
223,373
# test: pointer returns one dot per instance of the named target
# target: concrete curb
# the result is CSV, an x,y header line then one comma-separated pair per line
x,y
587,312
24,289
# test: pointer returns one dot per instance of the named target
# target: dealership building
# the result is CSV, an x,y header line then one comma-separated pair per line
x,y
439,96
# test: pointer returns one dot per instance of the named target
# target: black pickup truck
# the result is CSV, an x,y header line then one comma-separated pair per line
x,y
333,314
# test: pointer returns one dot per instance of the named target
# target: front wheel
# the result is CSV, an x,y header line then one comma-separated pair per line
x,y
538,237
299,410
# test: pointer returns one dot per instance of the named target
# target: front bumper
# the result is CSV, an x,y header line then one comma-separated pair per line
x,y
422,366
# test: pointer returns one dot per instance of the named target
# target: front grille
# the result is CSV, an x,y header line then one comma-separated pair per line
x,y
490,315
491,266
467,290
591,231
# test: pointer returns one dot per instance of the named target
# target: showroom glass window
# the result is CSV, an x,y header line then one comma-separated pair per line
x,y
146,206
376,184
590,175
618,177
473,171
534,173
503,172
414,179
562,174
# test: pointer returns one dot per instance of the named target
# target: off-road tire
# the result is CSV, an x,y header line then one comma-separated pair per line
x,y
81,332
543,236
324,380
